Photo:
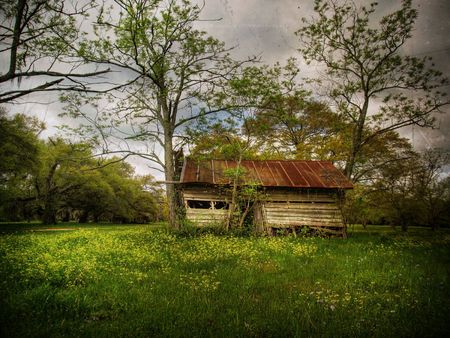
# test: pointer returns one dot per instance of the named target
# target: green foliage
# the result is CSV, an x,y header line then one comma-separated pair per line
x,y
220,140
406,192
18,143
110,281
271,116
300,128
232,173
18,153
56,179
363,63
113,193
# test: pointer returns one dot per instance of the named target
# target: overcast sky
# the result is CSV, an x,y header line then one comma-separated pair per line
x,y
266,28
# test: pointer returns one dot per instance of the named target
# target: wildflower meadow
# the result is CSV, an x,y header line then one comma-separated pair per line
x,y
143,281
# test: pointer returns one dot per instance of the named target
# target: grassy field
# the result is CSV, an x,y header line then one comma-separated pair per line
x,y
140,281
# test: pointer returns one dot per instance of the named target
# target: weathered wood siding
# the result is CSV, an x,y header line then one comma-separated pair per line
x,y
288,208
210,216
310,214
302,208
203,217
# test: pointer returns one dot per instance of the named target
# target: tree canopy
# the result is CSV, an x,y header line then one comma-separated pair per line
x,y
374,86
55,179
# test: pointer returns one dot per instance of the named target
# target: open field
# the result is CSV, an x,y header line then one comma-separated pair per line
x,y
140,281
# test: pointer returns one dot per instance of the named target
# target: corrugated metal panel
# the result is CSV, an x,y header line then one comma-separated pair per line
x,y
300,174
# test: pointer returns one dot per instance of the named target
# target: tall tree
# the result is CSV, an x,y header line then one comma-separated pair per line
x,y
38,41
177,71
430,189
374,85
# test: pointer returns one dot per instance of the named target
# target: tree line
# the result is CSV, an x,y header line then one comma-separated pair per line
x,y
56,180
180,90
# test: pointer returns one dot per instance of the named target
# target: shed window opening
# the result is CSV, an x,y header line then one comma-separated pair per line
x,y
194,204
221,205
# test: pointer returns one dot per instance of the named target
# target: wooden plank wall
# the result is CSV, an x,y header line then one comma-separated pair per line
x,y
281,209
314,209
202,217
310,214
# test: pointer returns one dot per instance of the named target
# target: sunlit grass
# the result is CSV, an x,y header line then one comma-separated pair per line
x,y
105,280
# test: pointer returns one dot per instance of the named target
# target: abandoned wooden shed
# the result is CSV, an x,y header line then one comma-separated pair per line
x,y
297,193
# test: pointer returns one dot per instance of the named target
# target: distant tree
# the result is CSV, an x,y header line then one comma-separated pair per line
x,y
375,87
445,186
298,127
92,200
60,171
112,193
58,179
430,189
379,154
131,201
411,191
19,157
38,40
223,139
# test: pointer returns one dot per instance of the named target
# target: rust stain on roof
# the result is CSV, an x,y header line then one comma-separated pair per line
x,y
289,173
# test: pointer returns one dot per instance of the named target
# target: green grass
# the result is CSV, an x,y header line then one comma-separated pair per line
x,y
140,281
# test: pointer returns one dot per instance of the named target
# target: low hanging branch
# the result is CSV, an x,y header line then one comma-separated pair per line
x,y
38,38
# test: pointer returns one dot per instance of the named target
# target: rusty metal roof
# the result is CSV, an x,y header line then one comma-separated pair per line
x,y
295,173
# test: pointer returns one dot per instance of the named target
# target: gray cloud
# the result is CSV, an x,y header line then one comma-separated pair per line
x,y
267,27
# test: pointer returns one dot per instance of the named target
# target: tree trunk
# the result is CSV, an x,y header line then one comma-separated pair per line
x,y
49,216
66,215
357,140
234,192
232,206
244,214
169,171
404,226
349,166
83,217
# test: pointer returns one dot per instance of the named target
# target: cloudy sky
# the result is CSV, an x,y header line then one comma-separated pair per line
x,y
266,28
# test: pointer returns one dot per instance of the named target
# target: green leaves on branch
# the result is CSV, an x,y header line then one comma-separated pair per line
x,y
373,85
